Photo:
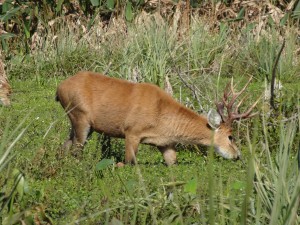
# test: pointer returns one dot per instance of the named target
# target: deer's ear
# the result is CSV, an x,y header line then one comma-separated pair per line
x,y
214,119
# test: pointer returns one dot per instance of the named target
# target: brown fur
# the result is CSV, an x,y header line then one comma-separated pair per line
x,y
5,91
138,112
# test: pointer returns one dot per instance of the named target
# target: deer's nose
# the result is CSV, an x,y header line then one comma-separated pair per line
x,y
239,156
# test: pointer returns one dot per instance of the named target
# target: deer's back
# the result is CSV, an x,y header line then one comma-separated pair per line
x,y
113,105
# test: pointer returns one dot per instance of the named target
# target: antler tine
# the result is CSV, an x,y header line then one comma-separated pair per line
x,y
220,110
235,95
232,111
226,93
244,88
240,103
246,114
223,103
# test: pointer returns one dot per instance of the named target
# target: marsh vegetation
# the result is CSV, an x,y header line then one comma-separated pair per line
x,y
197,50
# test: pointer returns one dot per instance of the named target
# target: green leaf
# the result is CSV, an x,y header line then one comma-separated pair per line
x,y
174,184
110,4
238,185
7,5
140,2
21,182
191,186
115,221
12,218
92,20
131,186
250,27
241,14
296,12
128,11
284,19
95,2
103,164
7,36
9,14
29,219
58,5
26,26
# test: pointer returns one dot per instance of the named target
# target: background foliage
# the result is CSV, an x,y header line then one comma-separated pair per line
x,y
21,21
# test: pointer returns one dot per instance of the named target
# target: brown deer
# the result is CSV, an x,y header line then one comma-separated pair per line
x,y
143,113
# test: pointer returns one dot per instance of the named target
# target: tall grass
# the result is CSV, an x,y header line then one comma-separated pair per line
x,y
269,194
13,185
278,179
149,52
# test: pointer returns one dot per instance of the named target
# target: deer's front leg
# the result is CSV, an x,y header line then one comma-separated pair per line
x,y
169,154
131,149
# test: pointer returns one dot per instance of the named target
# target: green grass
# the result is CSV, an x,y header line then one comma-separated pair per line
x,y
70,189
202,188
69,186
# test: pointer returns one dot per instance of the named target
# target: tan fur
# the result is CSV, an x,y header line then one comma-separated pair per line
x,y
138,112
5,89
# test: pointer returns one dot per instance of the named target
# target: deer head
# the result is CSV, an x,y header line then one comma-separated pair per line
x,y
222,123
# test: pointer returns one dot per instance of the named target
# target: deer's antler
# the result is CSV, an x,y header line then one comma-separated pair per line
x,y
232,109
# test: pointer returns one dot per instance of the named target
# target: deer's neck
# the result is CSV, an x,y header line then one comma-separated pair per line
x,y
187,127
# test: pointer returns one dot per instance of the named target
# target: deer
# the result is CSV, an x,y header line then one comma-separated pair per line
x,y
142,113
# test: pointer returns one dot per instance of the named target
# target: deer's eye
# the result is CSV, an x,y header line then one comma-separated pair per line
x,y
230,138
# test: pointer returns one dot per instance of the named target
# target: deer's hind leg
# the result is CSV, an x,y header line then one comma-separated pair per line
x,y
80,131
68,143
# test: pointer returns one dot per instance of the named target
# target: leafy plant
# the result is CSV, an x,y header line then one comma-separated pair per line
x,y
7,199
15,186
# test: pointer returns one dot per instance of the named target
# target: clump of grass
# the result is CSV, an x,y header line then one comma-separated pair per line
x,y
277,179
149,53
12,183
256,56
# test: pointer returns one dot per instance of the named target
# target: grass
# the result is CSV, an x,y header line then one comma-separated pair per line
x,y
72,188
202,188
